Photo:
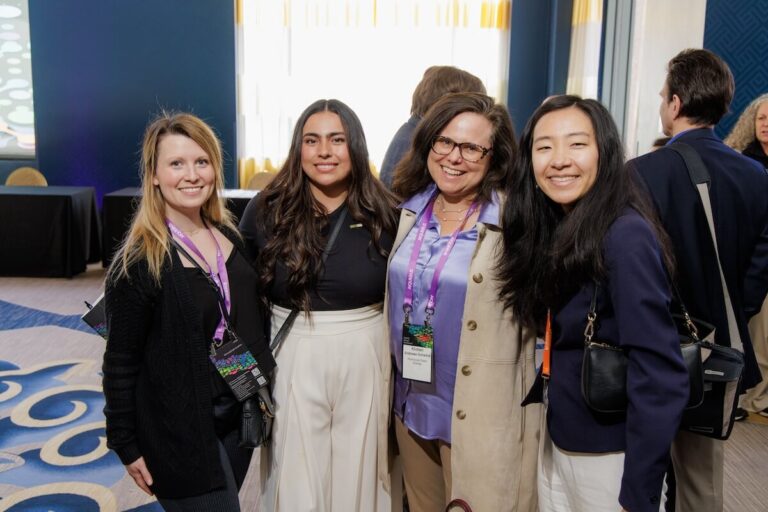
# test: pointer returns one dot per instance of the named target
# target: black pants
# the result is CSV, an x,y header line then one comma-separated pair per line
x,y
235,462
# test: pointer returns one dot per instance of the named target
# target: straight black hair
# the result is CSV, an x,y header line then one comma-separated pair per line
x,y
547,255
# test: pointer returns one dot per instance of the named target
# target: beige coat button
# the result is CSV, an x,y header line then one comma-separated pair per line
x,y
471,325
461,414
466,370
478,278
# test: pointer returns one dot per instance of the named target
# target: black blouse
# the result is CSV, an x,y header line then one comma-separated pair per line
x,y
244,301
354,274
755,152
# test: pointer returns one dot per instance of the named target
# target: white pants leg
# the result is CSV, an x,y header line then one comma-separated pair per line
x,y
325,438
577,482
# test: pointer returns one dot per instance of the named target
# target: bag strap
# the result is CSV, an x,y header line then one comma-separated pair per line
x,y
222,304
589,331
288,323
700,179
460,503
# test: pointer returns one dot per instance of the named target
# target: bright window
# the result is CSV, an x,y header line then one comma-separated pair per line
x,y
369,54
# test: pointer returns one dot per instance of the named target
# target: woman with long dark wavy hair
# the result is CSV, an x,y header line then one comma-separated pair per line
x,y
579,228
329,444
463,363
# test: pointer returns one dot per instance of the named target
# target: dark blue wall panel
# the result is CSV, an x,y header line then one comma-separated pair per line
x,y
102,68
737,30
539,47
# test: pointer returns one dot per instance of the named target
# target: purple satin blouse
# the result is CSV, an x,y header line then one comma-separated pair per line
x,y
426,408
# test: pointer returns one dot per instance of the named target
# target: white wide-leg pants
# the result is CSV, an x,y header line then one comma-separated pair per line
x,y
327,393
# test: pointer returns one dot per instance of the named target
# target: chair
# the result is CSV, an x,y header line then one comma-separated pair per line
x,y
26,177
260,180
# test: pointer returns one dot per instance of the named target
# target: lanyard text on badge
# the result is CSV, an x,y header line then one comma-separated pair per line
x,y
420,234
418,340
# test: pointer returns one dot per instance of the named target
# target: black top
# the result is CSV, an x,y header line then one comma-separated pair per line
x,y
755,152
354,271
157,382
244,300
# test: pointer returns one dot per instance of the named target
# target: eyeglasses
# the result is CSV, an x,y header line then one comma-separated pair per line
x,y
468,151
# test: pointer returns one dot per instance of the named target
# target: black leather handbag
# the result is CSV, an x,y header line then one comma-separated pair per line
x,y
256,420
604,366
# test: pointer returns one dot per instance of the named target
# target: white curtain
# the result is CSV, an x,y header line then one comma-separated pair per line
x,y
370,54
584,61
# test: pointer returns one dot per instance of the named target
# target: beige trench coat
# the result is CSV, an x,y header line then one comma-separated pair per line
x,y
494,440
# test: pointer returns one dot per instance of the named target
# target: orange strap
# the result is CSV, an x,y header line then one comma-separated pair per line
x,y
546,357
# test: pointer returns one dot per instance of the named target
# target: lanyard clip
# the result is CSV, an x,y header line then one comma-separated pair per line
x,y
430,312
407,310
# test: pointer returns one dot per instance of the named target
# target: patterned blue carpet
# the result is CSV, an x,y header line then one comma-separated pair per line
x,y
53,454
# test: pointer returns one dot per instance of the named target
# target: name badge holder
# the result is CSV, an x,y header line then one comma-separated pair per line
x,y
231,357
419,340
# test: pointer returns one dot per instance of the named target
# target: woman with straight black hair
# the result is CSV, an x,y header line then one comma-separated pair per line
x,y
578,229
331,387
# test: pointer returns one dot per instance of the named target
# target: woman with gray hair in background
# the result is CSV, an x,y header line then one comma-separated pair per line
x,y
750,133
750,136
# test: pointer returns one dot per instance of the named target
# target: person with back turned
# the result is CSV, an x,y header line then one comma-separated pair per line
x,y
696,94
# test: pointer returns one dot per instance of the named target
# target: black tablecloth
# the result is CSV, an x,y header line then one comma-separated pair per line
x,y
118,207
48,231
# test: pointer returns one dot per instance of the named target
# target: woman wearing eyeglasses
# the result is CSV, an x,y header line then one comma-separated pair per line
x,y
463,364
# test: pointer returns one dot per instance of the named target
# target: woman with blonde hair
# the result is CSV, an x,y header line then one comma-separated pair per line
x,y
180,291
750,134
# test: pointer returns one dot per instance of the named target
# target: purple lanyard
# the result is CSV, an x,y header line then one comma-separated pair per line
x,y
221,278
423,224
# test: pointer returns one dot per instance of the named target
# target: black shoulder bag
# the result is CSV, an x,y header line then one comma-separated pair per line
x,y
604,366
723,366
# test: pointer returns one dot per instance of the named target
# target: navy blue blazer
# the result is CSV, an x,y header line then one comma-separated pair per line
x,y
739,196
633,312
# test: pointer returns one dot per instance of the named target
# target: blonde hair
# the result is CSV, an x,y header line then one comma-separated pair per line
x,y
743,132
148,239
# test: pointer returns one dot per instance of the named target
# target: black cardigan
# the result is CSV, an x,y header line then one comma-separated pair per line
x,y
156,378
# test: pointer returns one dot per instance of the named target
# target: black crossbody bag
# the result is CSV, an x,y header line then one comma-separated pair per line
x,y
604,366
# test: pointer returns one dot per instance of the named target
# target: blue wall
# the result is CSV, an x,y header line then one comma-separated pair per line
x,y
737,30
102,68
540,39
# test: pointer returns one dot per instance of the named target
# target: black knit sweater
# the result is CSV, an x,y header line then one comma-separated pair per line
x,y
156,379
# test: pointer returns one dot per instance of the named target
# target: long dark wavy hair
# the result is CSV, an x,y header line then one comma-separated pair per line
x,y
293,219
412,175
547,255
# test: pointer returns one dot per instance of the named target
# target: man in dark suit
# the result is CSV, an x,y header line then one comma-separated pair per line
x,y
696,94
